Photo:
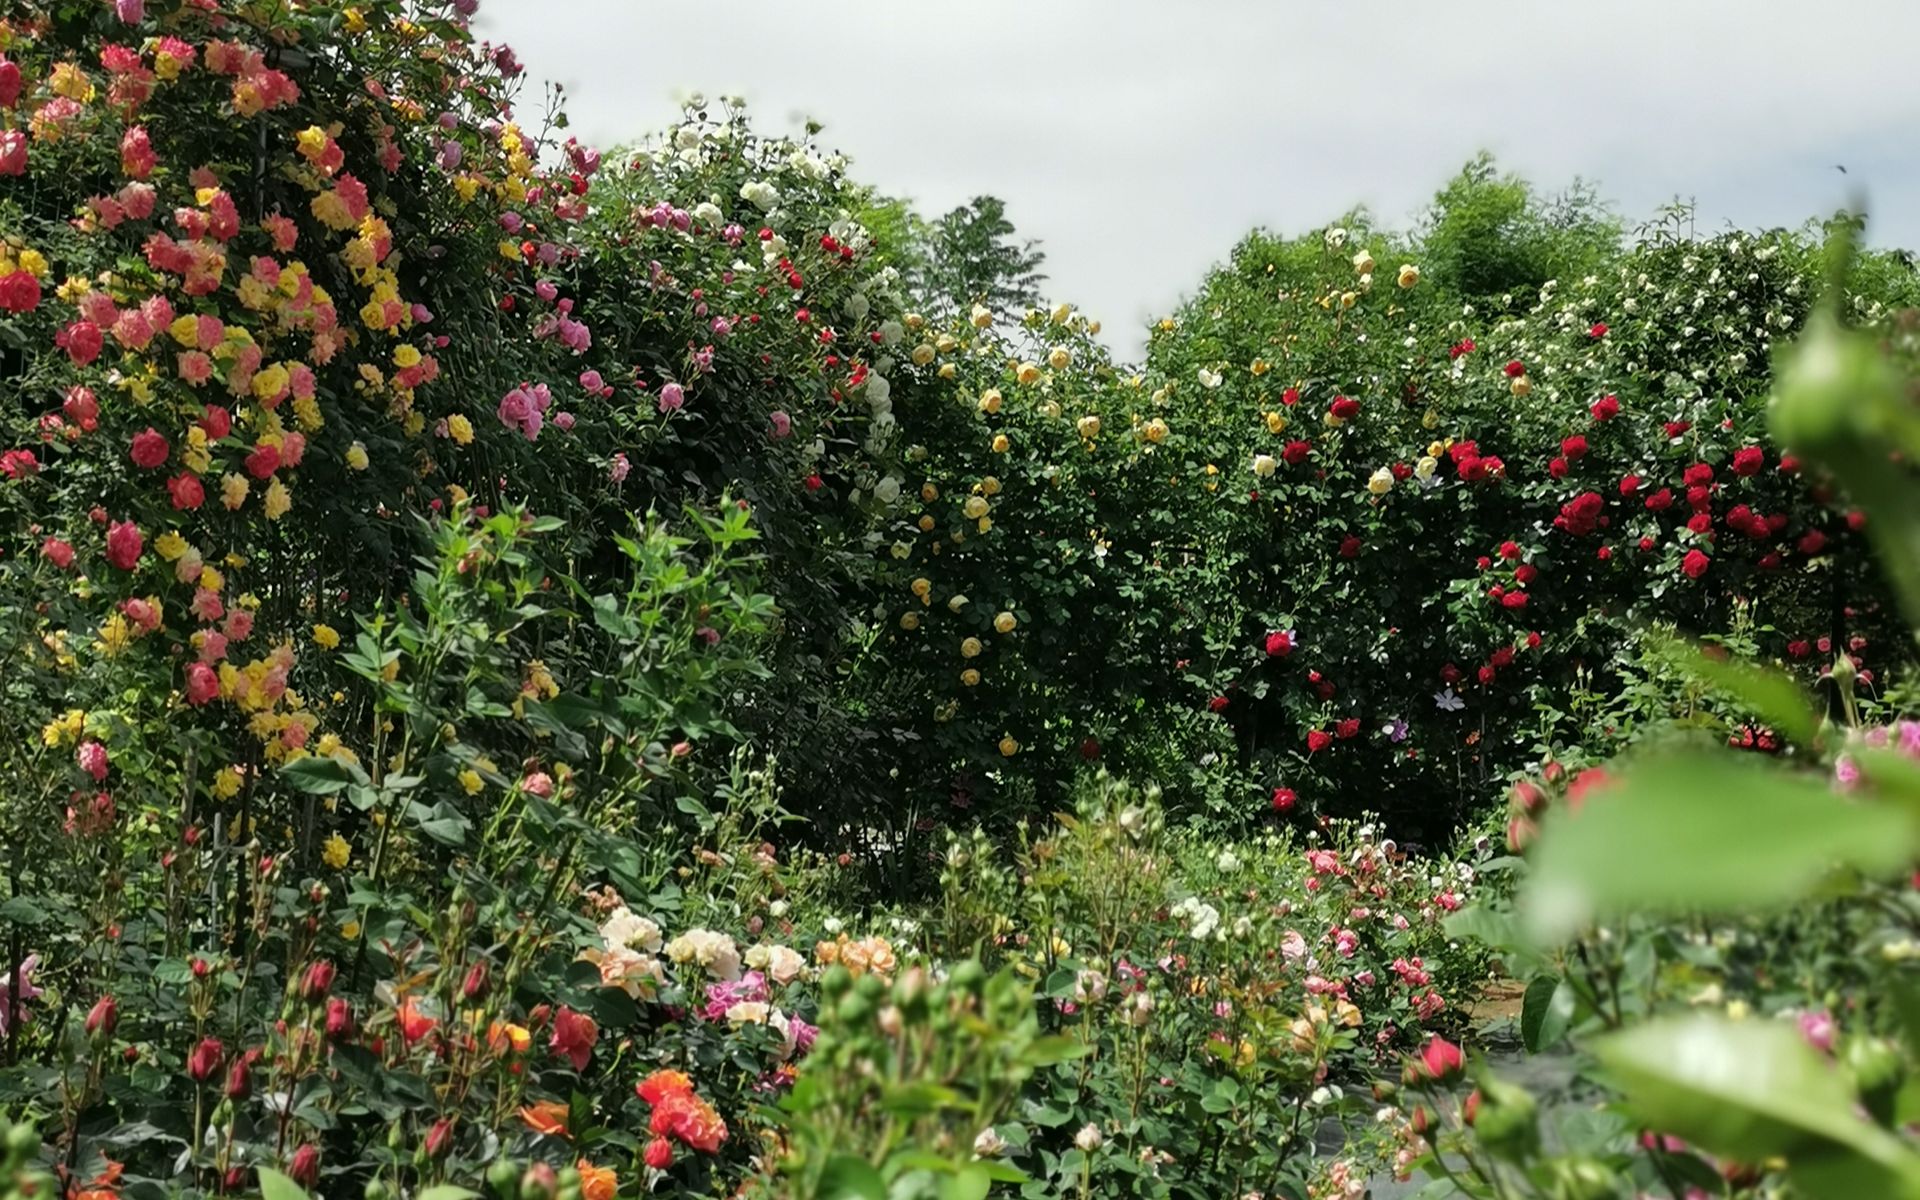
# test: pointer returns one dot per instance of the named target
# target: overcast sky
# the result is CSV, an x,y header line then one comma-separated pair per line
x,y
1139,140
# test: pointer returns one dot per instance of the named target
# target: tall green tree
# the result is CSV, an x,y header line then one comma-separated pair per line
x,y
973,255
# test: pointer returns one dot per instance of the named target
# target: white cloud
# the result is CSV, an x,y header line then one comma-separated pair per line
x,y
1138,141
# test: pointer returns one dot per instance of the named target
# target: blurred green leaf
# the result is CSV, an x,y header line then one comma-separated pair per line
x,y
275,1186
1705,830
1773,695
1545,1012
850,1178
1751,1090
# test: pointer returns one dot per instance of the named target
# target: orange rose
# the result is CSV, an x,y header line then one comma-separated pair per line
x,y
548,1117
597,1183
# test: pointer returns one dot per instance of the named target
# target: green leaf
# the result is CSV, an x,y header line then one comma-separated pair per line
x,y
1708,831
447,1191
848,1178
1773,695
317,775
1751,1090
969,1183
21,910
1545,1012
275,1186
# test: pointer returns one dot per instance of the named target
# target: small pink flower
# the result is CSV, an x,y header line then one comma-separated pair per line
x,y
1818,1029
92,757
782,424
538,783
672,398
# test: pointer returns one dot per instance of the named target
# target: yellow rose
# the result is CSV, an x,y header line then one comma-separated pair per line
x,y
357,457
980,317
910,621
1000,443
1009,747
922,354
920,587
1089,426
1156,430
1276,423
460,429
1408,276
946,343
948,371
1347,299
990,486
1062,313
990,400
970,677
1027,372
278,500
336,852
1258,366
1265,465
926,524
975,507
1004,622
1058,358
1363,263
233,490
1521,386
326,637
1381,482
970,648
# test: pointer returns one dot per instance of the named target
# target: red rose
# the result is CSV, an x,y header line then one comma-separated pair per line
x,y
1515,369
1695,564
1697,475
1700,522
1509,550
1442,1059
1449,674
1460,348
1856,520
204,1062
81,340
1676,428
1581,515
1345,408
1290,397
1558,468
304,1169
1503,657
1629,484
1812,542
1605,553
1483,562
1089,749
1218,704
1284,799
124,545
1660,501
1533,640
1514,601
1296,452
1748,460
1401,471
1526,573
185,491
57,552
1699,498
1348,727
202,684
1350,546
659,1154
1573,447
1770,561
1606,408
1646,543
217,421
1486,674
1799,649
264,461
1318,740
19,292
1789,465
1279,644
573,1036
1598,329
